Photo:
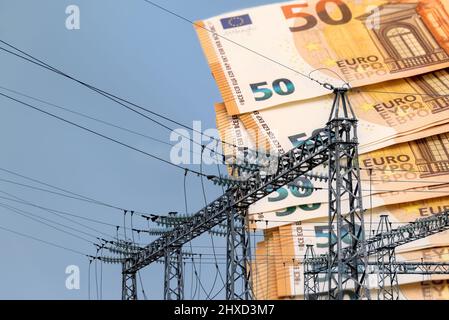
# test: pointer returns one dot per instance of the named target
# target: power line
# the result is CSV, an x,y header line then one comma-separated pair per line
x,y
43,241
54,192
58,188
218,272
392,170
399,92
88,117
311,221
412,190
325,85
100,135
58,213
146,136
37,219
76,196
109,95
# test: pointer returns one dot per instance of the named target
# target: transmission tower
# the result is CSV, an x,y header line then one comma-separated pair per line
x,y
393,238
129,283
311,288
238,255
386,262
173,274
346,263
344,181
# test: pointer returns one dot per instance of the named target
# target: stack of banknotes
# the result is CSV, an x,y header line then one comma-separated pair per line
x,y
276,65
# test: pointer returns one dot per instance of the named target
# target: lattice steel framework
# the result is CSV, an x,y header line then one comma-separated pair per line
x,y
346,264
173,274
238,255
311,289
393,238
424,268
344,182
289,166
387,277
129,283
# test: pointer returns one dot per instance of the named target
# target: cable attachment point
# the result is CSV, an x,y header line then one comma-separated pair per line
x,y
328,86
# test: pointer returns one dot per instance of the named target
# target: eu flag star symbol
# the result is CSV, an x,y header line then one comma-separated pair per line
x,y
235,22
329,62
312,46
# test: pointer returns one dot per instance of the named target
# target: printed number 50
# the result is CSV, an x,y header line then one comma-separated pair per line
x,y
282,87
310,21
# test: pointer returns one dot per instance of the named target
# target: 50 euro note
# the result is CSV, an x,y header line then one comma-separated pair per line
x,y
418,163
277,270
425,290
422,290
306,191
316,232
278,265
263,56
313,211
388,113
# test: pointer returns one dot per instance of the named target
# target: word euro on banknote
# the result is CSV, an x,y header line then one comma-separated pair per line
x,y
262,57
386,116
305,193
421,162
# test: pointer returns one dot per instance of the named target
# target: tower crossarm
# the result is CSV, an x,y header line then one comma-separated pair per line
x,y
289,166
410,232
319,265
422,268
416,230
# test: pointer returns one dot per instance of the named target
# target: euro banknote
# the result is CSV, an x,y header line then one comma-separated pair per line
x,y
316,232
319,210
278,270
306,191
386,113
432,131
265,56
423,290
421,162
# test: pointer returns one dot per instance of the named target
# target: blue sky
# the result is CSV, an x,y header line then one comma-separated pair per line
x,y
126,47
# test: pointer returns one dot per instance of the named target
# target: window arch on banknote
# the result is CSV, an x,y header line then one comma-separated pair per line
x,y
406,37
432,155
435,87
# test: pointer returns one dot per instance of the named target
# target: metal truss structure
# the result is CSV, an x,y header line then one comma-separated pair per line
x,y
311,289
234,204
173,274
386,263
344,181
238,253
389,240
424,268
129,283
346,264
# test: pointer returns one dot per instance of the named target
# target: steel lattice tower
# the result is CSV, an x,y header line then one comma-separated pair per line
x,y
311,287
129,284
173,274
238,255
386,262
344,182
